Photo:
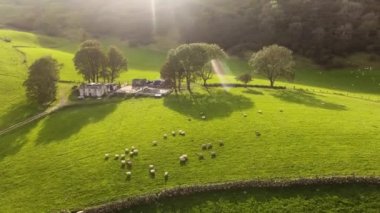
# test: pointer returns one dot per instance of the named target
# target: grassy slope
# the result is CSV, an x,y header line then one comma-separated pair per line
x,y
13,105
62,155
346,198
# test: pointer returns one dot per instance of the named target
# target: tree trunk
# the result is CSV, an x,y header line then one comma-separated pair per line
x,y
271,83
188,84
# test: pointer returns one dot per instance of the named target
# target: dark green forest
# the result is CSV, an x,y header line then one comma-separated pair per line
x,y
320,29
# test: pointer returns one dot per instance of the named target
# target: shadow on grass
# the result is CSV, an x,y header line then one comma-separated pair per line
x,y
215,104
17,113
253,92
11,143
307,99
67,122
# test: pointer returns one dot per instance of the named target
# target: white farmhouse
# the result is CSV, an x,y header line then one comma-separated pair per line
x,y
96,90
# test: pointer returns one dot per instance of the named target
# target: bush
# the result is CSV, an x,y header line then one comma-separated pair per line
x,y
116,157
106,156
221,143
154,143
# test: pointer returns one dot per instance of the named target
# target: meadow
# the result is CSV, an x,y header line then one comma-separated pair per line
x,y
59,162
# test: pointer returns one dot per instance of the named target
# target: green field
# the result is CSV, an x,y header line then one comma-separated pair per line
x,y
58,162
345,198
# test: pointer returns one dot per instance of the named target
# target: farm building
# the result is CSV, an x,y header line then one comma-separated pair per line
x,y
96,90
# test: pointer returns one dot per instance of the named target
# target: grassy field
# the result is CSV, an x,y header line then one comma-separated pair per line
x,y
345,198
65,152
58,162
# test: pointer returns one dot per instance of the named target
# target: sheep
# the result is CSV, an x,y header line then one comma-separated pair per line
x,y
204,146
213,154
209,146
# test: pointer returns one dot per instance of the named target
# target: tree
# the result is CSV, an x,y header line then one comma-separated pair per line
x,y
245,78
172,71
273,62
116,62
41,84
191,58
214,52
90,61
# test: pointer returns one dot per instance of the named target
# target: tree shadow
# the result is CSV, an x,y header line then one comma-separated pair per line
x,y
12,142
17,113
307,99
67,122
253,92
215,104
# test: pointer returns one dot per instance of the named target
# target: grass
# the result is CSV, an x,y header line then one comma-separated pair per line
x,y
333,198
65,152
58,162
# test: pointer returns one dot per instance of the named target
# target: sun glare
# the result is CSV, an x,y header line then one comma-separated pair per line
x,y
220,69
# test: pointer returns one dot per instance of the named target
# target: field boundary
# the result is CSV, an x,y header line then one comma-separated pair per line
x,y
237,185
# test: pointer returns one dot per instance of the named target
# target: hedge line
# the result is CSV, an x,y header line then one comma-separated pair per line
x,y
245,86
190,190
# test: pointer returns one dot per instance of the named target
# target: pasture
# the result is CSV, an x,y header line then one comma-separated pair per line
x,y
59,162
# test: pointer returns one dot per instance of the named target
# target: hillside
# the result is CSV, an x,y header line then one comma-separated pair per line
x,y
58,162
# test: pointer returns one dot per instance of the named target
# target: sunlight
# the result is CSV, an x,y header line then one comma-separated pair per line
x,y
220,71
154,15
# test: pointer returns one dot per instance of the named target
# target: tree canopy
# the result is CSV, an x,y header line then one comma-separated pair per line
x,y
189,62
317,29
273,62
41,84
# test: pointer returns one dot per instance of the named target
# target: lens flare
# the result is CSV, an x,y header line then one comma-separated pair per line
x,y
220,70
154,15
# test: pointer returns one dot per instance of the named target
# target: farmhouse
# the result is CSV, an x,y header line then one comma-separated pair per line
x,y
96,90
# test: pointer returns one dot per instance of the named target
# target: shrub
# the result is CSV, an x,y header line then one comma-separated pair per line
x,y
122,156
129,174
131,154
106,156
133,148
174,133
260,112
204,117
154,143
221,143
245,115
126,151
116,157
165,136
166,175
123,162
